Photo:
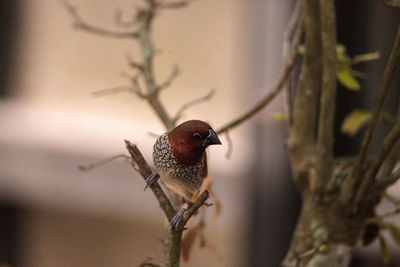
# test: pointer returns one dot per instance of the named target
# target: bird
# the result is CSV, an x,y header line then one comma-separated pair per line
x,y
180,161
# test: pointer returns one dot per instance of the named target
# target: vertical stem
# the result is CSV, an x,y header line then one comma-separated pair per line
x,y
147,47
324,160
302,132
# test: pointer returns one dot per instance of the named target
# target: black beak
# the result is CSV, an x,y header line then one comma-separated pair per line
x,y
211,139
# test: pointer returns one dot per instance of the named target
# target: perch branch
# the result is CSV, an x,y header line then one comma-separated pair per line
x,y
82,25
324,151
143,168
275,90
356,174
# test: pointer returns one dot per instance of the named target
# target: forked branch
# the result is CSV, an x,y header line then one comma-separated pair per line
x,y
79,23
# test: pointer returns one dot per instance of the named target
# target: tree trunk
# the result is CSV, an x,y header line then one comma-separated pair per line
x,y
326,233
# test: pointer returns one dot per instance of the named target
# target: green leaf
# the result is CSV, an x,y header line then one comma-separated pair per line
x,y
394,232
354,121
385,251
393,3
341,55
347,79
301,49
280,116
366,57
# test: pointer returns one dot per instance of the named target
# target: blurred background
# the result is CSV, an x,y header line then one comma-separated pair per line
x,y
51,214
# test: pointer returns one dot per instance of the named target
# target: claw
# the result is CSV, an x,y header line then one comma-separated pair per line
x,y
151,179
174,224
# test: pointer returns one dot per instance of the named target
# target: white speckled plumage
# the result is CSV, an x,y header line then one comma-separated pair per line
x,y
185,180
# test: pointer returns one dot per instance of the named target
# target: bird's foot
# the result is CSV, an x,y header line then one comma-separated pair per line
x,y
174,224
151,179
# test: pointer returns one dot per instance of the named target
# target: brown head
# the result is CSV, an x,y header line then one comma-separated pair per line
x,y
190,139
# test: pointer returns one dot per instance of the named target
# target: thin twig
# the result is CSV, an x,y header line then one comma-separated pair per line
x,y
356,174
118,19
373,169
134,64
324,149
294,22
175,73
116,90
388,181
82,25
275,90
189,104
173,5
230,145
291,27
390,213
97,164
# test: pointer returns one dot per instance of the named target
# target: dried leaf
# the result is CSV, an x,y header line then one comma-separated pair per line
x,y
214,249
347,79
279,116
394,232
205,186
188,241
217,204
354,121
385,250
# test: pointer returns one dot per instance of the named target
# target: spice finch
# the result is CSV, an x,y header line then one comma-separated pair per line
x,y
180,160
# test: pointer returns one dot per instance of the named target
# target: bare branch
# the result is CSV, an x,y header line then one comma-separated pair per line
x,y
149,264
118,19
136,65
201,200
301,141
372,171
173,5
144,170
82,25
291,27
175,73
192,103
388,181
230,145
295,21
94,165
117,90
356,173
275,90
390,213
324,157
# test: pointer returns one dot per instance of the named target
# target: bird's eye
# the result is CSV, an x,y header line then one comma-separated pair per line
x,y
197,136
